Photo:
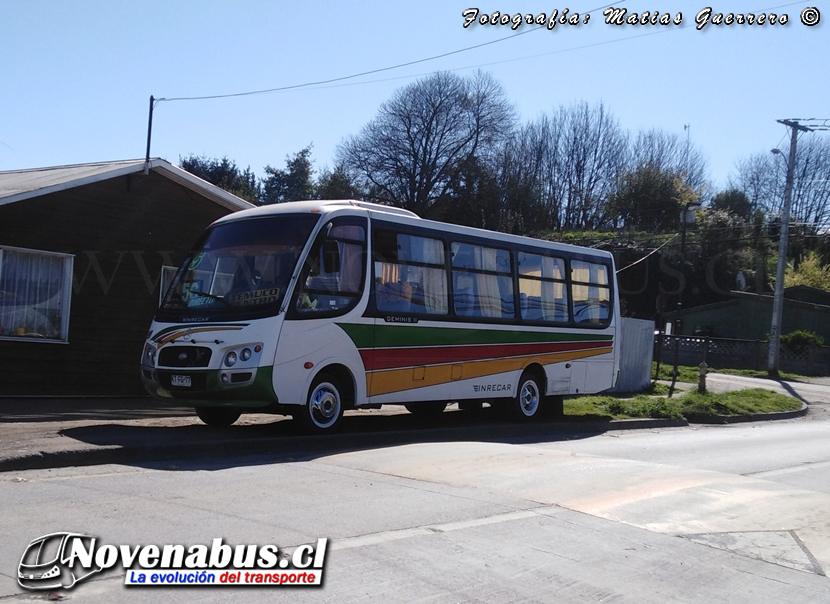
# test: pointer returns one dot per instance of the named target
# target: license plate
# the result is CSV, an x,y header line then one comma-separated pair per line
x,y
182,381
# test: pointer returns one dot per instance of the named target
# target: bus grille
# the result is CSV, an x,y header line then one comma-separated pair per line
x,y
184,356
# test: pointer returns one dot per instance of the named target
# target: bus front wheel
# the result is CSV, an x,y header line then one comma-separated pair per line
x,y
218,416
528,402
323,410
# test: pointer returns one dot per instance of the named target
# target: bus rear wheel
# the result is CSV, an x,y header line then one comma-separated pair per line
x,y
527,405
323,410
218,416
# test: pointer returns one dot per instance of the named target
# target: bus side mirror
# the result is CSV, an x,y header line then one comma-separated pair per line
x,y
331,256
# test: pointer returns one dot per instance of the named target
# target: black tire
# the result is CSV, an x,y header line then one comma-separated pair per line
x,y
426,408
527,405
323,410
218,416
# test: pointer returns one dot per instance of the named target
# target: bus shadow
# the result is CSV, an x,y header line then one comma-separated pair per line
x,y
198,447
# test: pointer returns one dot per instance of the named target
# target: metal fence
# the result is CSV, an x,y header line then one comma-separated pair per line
x,y
721,353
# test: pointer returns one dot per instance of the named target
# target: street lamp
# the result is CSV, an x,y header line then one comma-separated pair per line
x,y
686,217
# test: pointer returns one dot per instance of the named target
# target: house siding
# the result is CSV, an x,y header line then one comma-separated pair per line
x,y
749,317
121,231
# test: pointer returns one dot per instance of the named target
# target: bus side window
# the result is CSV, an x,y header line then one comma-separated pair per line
x,y
591,293
482,281
409,273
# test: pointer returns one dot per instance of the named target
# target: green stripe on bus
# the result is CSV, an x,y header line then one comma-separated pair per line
x,y
397,336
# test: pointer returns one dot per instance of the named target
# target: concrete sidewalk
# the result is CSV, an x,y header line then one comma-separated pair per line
x,y
59,432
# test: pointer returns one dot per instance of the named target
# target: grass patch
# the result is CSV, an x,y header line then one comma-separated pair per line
x,y
609,407
657,389
588,407
689,374
760,374
737,402
684,372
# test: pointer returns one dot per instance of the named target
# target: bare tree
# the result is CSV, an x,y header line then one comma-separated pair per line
x,y
756,177
410,152
763,177
522,177
592,159
558,171
669,153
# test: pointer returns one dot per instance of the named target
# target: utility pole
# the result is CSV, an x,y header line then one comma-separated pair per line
x,y
149,134
778,300
687,217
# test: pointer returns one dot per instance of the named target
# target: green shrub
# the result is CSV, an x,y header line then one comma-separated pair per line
x,y
798,341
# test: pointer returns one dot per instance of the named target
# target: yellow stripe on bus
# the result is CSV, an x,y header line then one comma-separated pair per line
x,y
399,380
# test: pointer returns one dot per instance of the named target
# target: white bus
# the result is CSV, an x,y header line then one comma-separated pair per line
x,y
315,307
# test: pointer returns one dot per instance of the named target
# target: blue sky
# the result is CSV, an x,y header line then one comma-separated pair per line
x,y
76,75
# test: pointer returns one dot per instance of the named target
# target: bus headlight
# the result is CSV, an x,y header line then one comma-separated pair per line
x,y
230,359
246,354
149,355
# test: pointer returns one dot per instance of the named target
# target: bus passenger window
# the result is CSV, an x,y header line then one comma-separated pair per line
x,y
482,281
543,292
409,274
591,293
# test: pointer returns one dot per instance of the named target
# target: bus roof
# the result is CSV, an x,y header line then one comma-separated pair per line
x,y
380,211
321,206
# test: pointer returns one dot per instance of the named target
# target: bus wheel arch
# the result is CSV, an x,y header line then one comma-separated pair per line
x,y
345,380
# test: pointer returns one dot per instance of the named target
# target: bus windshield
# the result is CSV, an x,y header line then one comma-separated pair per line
x,y
240,268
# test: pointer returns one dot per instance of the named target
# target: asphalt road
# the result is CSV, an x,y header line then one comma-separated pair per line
x,y
737,513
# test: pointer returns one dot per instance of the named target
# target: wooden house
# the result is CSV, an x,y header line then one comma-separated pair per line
x,y
85,251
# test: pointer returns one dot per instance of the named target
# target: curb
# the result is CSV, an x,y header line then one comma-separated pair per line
x,y
309,447
704,418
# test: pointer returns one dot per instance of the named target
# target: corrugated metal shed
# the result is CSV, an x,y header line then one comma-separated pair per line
x,y
18,185
636,352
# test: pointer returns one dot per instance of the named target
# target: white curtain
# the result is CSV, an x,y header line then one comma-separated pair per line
x,y
489,298
434,279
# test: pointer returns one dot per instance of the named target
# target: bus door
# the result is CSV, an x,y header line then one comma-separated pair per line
x,y
325,322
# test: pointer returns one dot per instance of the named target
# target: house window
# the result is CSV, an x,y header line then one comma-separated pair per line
x,y
35,291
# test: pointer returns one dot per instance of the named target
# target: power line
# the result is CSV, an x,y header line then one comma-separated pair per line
x,y
654,251
154,101
348,77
